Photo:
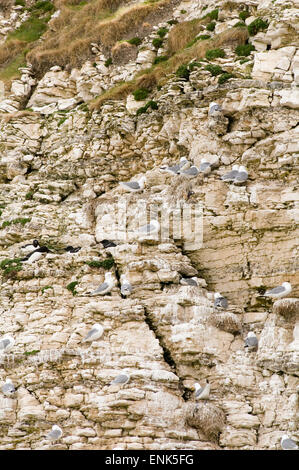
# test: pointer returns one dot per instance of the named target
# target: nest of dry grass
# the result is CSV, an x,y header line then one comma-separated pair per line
x,y
208,418
286,307
226,321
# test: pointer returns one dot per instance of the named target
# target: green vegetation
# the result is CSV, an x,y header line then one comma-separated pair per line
x,y
214,69
108,62
183,12
211,26
20,3
30,30
244,49
61,121
11,266
172,22
183,72
161,58
157,42
224,77
12,69
140,94
214,53
150,104
46,288
19,220
72,287
135,41
213,15
240,24
243,61
29,195
44,6
162,32
256,26
193,65
106,263
31,353
244,14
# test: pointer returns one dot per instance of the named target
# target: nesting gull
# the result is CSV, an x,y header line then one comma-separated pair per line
x,y
95,333
6,343
149,229
191,172
287,443
215,109
280,291
30,247
205,166
121,379
105,287
188,281
55,434
175,168
8,388
251,341
35,255
202,393
126,287
220,301
241,176
231,175
134,186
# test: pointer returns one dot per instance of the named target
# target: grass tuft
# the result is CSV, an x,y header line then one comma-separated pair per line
x,y
215,53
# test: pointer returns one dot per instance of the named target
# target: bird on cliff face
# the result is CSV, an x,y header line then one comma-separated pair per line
x,y
95,333
231,175
35,255
121,379
215,109
205,167
126,287
134,186
288,443
30,247
8,388
71,249
175,168
202,393
191,172
220,302
242,175
251,342
6,343
278,292
54,434
108,244
189,281
105,287
149,229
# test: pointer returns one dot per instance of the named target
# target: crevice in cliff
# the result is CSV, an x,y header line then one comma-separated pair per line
x,y
168,358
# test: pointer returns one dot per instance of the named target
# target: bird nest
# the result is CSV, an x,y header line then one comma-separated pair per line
x,y
286,307
206,417
226,321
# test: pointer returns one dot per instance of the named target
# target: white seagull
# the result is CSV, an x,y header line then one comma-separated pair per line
x,y
220,301
288,443
215,109
134,186
280,291
121,379
175,168
149,229
189,281
8,388
205,166
251,341
95,333
126,287
231,175
55,434
191,172
105,287
241,176
6,343
202,393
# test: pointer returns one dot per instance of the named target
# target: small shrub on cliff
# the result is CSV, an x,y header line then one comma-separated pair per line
x,y
135,41
150,104
162,32
157,42
224,77
161,58
213,15
214,53
214,69
108,62
211,26
244,14
256,26
183,72
244,49
72,287
172,22
240,24
140,94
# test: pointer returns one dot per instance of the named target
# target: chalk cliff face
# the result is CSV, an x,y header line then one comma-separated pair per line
x,y
60,166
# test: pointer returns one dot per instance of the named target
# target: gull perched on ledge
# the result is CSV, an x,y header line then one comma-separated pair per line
x,y
175,168
287,443
251,342
8,388
55,434
94,334
278,292
202,393
134,186
105,287
6,343
220,301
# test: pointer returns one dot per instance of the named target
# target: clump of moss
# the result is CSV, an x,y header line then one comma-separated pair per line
x,y
211,26
20,3
244,14
135,41
10,267
161,58
61,121
244,49
140,94
214,53
183,72
172,22
193,65
214,69
29,195
157,43
46,288
150,104
162,32
240,24
224,77
31,353
19,220
257,25
213,15
72,287
108,62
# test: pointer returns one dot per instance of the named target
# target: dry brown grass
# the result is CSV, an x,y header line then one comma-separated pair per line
x,y
68,43
158,74
207,418
184,32
5,5
9,50
286,307
7,117
227,321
